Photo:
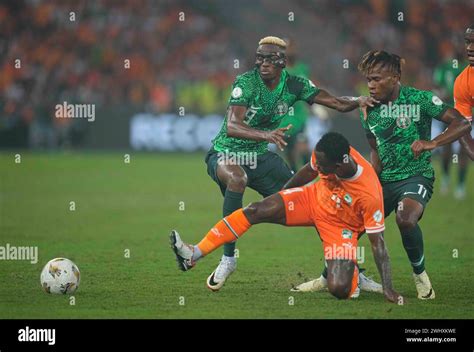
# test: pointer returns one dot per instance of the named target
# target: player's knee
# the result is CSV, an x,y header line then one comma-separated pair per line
x,y
254,212
339,290
406,222
237,182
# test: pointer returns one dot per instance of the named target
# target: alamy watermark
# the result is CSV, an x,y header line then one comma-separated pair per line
x,y
346,251
9,252
37,335
400,110
404,114
238,158
75,111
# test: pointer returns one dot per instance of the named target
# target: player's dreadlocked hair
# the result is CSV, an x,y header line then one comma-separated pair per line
x,y
374,57
334,145
273,40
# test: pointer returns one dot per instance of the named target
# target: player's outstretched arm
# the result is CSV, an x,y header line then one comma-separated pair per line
x,y
236,127
343,104
304,175
383,265
457,127
468,144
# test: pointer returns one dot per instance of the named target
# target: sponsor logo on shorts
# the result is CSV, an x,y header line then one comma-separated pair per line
x,y
347,234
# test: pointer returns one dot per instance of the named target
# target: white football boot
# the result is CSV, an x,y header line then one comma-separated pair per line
x,y
316,285
183,251
460,193
226,267
423,286
367,284
321,284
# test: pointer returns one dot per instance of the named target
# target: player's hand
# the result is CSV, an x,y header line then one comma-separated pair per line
x,y
365,102
393,296
278,137
420,146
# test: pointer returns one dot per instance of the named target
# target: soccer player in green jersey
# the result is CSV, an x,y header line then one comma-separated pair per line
x,y
297,149
239,157
399,131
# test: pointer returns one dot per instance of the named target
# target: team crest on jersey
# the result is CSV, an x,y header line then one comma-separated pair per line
x,y
348,198
281,108
236,92
346,234
377,216
403,121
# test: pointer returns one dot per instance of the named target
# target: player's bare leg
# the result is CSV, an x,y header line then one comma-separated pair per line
x,y
366,283
229,229
340,278
408,214
446,160
233,176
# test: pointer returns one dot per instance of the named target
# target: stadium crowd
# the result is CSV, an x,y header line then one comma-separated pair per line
x,y
182,53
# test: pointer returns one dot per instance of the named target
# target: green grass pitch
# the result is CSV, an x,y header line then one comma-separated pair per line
x,y
123,208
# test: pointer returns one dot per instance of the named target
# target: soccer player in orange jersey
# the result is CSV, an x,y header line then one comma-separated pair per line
x,y
345,202
464,91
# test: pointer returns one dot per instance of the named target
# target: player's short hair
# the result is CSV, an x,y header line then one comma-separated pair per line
x,y
375,57
274,41
334,145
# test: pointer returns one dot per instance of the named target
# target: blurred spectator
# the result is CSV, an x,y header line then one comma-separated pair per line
x,y
144,53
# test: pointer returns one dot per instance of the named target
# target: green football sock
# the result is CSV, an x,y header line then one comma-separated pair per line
x,y
413,243
462,176
445,168
232,202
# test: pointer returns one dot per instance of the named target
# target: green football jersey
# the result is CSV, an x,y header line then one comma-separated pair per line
x,y
397,125
297,118
444,76
265,108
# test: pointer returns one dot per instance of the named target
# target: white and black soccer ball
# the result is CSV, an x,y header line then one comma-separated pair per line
x,y
60,276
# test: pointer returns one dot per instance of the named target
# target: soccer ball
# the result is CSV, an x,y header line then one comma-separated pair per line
x,y
60,276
